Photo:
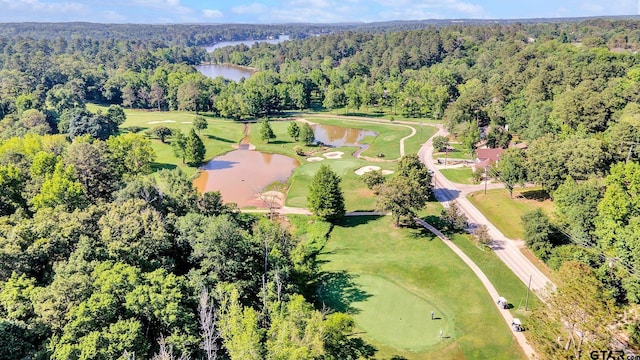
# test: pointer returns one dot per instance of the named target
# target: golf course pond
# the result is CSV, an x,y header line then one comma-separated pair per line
x,y
240,175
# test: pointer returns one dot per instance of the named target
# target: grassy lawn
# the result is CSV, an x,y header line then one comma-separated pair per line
x,y
505,212
459,175
390,279
455,152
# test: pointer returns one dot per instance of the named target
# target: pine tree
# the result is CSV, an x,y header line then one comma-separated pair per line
x,y
194,149
266,132
294,130
325,198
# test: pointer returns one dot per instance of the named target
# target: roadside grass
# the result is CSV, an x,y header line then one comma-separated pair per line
x,y
381,112
390,279
504,280
455,152
505,213
459,175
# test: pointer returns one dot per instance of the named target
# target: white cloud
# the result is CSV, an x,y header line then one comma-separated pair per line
x,y
212,14
38,6
167,5
255,8
113,16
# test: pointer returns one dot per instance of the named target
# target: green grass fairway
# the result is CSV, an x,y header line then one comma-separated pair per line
x,y
505,212
423,133
460,176
382,274
403,319
357,196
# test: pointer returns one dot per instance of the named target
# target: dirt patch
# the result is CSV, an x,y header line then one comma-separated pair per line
x,y
273,199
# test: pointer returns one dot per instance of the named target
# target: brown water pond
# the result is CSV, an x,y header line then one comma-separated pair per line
x,y
337,136
240,175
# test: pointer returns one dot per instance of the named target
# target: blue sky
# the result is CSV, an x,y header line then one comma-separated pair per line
x,y
271,11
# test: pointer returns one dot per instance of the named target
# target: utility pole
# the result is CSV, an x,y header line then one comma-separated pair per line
x,y
526,303
485,180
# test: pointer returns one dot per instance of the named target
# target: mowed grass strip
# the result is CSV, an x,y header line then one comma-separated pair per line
x,y
504,280
505,212
373,259
459,175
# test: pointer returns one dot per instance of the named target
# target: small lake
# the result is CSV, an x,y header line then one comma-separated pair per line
x,y
240,174
249,43
337,136
231,72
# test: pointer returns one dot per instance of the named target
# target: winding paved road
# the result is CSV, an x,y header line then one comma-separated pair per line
x,y
507,250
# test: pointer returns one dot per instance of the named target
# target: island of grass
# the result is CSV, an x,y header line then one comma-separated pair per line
x,y
390,279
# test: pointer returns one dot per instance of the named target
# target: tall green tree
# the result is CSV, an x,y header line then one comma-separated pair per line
x,y
60,189
325,198
194,149
294,130
131,153
512,169
578,318
306,134
266,132
200,123
179,145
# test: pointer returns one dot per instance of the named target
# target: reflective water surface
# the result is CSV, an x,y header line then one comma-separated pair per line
x,y
240,175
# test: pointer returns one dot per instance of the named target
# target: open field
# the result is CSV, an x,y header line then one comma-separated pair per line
x,y
455,152
391,278
459,175
504,212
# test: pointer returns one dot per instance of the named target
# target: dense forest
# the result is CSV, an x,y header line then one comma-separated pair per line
x,y
87,236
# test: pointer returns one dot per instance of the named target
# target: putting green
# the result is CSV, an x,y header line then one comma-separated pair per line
x,y
397,317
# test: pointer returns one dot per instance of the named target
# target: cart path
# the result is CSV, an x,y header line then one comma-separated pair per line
x,y
493,293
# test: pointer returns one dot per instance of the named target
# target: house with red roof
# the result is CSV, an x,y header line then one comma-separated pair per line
x,y
487,157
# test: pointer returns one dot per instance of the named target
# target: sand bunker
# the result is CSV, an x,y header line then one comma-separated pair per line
x,y
314,159
366,169
333,155
161,122
187,122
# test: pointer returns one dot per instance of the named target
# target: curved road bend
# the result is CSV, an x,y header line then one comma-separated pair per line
x,y
507,250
